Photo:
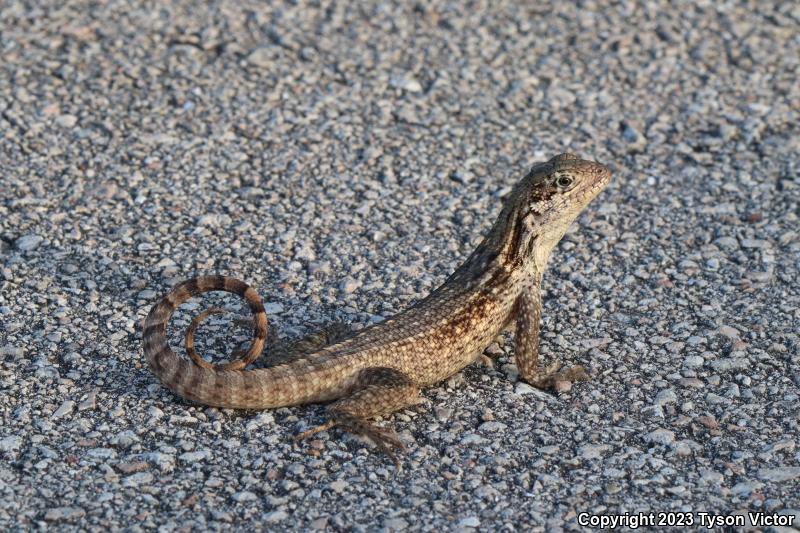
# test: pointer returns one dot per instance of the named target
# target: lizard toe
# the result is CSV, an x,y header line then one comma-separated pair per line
x,y
386,440
556,379
313,431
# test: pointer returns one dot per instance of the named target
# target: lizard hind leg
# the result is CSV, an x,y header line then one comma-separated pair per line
x,y
281,351
378,391
285,351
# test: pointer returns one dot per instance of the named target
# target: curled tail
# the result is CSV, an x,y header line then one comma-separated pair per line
x,y
220,385
238,364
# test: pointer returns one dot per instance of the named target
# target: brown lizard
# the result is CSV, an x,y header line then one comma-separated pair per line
x,y
381,369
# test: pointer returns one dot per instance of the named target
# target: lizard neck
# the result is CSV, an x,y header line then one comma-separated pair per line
x,y
514,249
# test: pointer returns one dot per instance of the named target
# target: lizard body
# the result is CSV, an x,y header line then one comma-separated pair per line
x,y
382,368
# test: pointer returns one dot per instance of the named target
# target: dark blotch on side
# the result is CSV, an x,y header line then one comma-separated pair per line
x,y
499,277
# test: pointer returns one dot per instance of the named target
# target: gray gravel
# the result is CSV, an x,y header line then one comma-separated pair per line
x,y
344,161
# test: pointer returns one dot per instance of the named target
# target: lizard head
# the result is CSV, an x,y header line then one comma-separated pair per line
x,y
553,194
559,189
541,207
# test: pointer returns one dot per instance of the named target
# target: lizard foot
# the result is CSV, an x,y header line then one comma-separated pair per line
x,y
485,361
385,439
559,379
378,391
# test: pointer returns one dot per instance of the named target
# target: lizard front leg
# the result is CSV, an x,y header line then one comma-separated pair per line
x,y
526,346
378,391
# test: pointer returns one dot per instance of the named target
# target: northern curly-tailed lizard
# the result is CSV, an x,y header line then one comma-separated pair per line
x,y
381,369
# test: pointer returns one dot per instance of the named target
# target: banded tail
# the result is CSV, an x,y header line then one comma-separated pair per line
x,y
220,385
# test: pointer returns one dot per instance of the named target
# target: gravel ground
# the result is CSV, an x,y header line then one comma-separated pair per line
x,y
344,161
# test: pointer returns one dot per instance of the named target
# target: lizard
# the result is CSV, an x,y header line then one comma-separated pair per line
x,y
382,368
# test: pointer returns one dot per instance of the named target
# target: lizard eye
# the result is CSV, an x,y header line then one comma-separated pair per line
x,y
564,181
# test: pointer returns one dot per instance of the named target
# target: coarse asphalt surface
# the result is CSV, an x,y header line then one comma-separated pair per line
x,y
343,160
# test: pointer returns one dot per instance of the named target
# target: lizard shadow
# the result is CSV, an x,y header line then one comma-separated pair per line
x,y
105,355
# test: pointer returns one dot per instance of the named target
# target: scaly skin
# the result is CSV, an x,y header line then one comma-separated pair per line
x,y
382,368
